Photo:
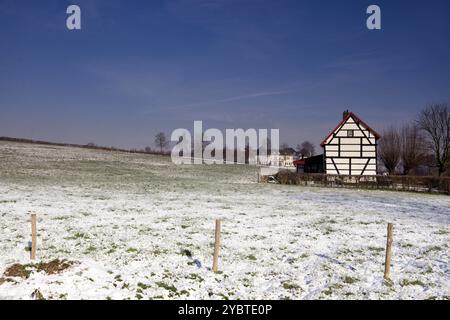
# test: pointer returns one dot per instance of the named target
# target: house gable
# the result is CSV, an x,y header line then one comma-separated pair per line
x,y
350,149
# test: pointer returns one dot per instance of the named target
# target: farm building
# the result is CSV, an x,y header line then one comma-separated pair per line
x,y
312,164
351,148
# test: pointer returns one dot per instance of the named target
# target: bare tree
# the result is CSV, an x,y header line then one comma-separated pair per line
x,y
161,141
148,150
435,121
306,149
412,148
388,149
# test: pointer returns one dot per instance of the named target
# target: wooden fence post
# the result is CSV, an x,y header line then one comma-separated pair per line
x,y
216,247
387,263
33,236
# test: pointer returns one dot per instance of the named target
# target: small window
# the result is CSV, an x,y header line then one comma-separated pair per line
x,y
350,133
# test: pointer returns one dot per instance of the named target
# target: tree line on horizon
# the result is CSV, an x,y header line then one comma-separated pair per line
x,y
419,147
304,150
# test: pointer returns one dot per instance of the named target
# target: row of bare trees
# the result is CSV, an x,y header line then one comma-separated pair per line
x,y
423,143
306,149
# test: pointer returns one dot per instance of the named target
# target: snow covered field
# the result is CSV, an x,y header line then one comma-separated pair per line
x,y
131,221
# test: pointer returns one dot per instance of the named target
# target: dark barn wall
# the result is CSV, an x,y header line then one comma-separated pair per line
x,y
314,164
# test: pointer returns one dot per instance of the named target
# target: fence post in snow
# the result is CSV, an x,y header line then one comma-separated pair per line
x,y
387,263
33,236
216,247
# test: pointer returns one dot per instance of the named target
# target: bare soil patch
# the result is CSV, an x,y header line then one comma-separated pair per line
x,y
23,271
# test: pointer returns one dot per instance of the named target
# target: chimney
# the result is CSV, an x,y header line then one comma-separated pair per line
x,y
345,114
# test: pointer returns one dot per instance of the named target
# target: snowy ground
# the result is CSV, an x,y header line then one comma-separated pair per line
x,y
128,220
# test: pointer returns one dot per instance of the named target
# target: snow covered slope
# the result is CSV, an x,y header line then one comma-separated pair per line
x,y
131,221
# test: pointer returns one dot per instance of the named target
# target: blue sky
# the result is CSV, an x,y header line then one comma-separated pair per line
x,y
139,67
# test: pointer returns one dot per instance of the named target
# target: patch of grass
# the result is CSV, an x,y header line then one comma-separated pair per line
x,y
186,253
442,232
142,286
224,297
348,294
61,218
184,292
332,288
90,249
406,282
132,250
336,286
433,248
158,251
166,286
376,249
251,257
290,286
350,280
428,271
77,235
194,276
8,201
246,282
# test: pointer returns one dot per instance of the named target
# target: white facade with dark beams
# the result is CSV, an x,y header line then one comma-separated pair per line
x,y
351,148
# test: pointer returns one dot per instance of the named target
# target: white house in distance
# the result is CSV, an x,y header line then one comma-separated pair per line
x,y
282,159
351,148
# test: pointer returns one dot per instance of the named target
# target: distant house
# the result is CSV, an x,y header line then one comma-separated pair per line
x,y
287,157
351,148
284,159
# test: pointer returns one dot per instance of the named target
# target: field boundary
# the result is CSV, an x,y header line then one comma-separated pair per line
x,y
83,146
426,184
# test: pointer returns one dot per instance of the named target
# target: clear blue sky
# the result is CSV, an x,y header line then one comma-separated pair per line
x,y
139,67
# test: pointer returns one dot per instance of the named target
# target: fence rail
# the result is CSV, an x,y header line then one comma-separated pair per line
x,y
398,183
